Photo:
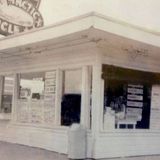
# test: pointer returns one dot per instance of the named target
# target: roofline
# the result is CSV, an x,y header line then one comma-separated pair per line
x,y
88,20
69,20
124,23
96,14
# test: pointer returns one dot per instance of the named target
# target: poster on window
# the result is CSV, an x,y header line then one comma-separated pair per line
x,y
134,114
50,74
50,86
36,112
49,97
36,116
134,102
50,89
135,97
50,82
135,90
49,115
22,112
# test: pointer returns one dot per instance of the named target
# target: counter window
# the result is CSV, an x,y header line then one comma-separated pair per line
x,y
127,98
36,103
71,97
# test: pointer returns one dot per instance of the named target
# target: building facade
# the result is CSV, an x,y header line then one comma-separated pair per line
x,y
91,70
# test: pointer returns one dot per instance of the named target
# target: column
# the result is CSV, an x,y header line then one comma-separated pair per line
x,y
85,97
15,97
58,98
97,98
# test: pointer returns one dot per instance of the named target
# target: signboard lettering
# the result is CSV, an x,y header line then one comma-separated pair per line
x,y
134,102
19,15
135,91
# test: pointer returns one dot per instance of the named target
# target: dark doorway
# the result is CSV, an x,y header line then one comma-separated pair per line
x,y
70,109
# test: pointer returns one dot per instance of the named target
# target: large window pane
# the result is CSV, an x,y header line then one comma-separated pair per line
x,y
127,98
36,103
71,97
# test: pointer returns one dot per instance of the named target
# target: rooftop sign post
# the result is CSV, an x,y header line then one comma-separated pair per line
x,y
19,15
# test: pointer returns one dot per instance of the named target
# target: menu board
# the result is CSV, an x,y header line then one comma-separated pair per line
x,y
49,115
38,111
134,102
36,114
22,112
49,96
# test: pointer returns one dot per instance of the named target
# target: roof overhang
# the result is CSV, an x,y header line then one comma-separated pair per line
x,y
82,25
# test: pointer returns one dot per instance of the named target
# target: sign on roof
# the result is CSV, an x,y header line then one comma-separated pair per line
x,y
19,15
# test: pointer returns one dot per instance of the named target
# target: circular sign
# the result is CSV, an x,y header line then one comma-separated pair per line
x,y
19,15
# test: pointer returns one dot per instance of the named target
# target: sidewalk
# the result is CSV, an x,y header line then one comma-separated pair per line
x,y
9,151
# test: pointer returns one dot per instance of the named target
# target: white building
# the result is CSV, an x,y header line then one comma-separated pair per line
x,y
110,68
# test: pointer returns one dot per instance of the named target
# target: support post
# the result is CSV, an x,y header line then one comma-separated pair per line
x,y
15,97
58,97
85,97
96,98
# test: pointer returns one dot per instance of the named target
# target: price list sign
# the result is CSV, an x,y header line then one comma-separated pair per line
x,y
134,102
49,96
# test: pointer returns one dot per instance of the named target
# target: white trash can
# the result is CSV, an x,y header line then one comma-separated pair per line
x,y
77,142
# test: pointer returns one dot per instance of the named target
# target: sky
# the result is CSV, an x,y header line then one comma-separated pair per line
x,y
143,13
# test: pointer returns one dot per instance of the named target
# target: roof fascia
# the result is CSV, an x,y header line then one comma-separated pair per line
x,y
126,30
52,32
80,23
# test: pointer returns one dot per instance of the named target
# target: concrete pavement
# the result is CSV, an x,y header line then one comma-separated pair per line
x,y
9,151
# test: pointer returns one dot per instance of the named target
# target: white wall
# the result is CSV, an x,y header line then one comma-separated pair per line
x,y
53,138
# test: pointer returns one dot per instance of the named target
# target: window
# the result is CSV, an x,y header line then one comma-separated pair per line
x,y
127,98
71,97
36,103
32,86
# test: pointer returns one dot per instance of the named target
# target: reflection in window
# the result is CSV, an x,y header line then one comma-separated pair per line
x,y
32,86
36,103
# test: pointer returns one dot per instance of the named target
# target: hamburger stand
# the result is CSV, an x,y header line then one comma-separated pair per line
x,y
92,70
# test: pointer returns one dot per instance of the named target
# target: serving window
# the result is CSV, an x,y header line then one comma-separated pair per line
x,y
71,97
36,98
128,98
